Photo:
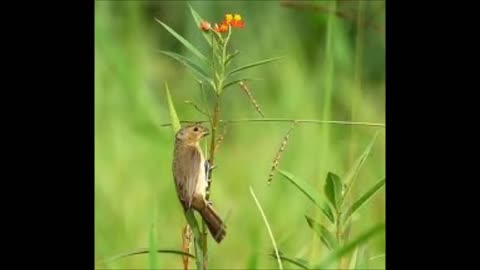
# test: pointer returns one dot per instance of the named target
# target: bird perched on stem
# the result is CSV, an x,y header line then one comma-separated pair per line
x,y
190,170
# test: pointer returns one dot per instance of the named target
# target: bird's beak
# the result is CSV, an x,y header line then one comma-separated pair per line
x,y
205,132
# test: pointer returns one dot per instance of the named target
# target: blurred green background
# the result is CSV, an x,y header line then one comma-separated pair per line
x,y
133,152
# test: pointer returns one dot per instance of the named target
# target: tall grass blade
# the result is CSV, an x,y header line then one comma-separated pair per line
x,y
189,216
173,114
268,228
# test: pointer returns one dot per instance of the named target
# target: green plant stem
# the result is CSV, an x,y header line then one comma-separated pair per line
x,y
357,89
339,239
338,228
301,121
214,122
270,233
144,251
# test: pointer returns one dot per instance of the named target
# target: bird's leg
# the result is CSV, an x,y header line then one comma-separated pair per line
x,y
208,170
208,173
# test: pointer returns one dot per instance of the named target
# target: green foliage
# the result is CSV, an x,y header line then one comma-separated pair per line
x,y
325,235
298,262
259,63
133,150
333,189
304,187
335,195
352,174
364,199
345,249
189,215
190,64
173,113
267,225
184,42
197,18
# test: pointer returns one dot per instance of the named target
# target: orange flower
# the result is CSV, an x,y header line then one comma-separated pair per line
x,y
205,26
234,20
223,28
228,18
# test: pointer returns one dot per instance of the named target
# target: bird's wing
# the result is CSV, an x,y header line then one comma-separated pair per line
x,y
187,174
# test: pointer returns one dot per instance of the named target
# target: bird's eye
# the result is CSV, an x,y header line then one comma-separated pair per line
x,y
195,129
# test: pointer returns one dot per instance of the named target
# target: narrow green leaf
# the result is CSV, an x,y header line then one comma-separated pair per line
x,y
228,84
146,251
199,71
173,114
376,257
310,192
198,19
189,216
304,187
298,262
353,260
347,230
364,199
192,221
183,41
230,57
323,233
327,211
253,65
153,247
352,174
344,250
362,259
333,189
268,228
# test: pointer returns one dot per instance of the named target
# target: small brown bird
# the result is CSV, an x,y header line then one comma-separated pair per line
x,y
190,172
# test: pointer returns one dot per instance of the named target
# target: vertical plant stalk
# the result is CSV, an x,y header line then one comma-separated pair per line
x,y
219,141
342,262
328,82
211,159
275,248
219,80
357,89
187,240
357,92
329,78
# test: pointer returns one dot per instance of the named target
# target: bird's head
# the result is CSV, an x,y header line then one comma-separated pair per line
x,y
192,133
